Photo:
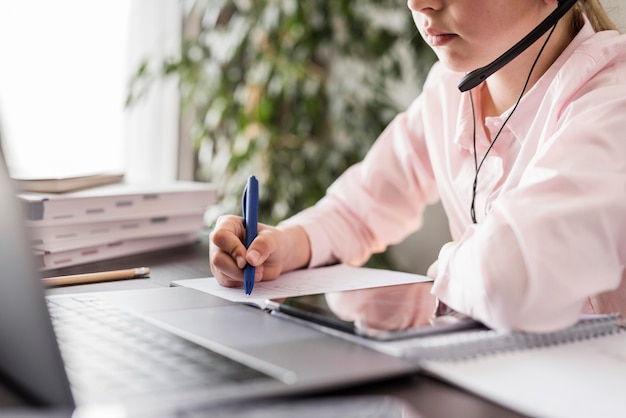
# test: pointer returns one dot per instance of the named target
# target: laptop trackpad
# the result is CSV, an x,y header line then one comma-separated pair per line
x,y
276,346
235,326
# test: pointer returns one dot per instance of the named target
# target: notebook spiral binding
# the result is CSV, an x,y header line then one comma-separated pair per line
x,y
471,344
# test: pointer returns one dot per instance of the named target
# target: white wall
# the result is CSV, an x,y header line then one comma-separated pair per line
x,y
152,123
617,10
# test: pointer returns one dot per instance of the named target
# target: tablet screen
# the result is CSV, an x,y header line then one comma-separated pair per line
x,y
384,313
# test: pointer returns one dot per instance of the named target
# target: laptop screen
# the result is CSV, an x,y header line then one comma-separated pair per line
x,y
29,355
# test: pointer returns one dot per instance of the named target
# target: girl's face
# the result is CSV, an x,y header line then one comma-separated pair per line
x,y
468,34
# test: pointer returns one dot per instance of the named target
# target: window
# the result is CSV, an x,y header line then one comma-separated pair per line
x,y
64,80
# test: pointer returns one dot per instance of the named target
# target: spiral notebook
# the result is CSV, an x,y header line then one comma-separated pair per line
x,y
471,344
466,344
584,378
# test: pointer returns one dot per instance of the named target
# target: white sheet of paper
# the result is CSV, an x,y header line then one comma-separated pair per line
x,y
307,282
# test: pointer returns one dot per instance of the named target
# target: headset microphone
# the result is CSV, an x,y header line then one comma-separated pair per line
x,y
479,75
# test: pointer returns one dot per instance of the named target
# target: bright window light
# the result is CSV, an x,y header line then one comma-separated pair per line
x,y
63,84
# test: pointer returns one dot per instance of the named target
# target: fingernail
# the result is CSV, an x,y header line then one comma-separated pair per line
x,y
241,262
253,256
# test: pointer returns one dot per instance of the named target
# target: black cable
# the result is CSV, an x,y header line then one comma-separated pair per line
x,y
478,166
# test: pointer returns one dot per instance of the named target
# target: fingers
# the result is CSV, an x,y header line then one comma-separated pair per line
x,y
228,235
226,251
228,254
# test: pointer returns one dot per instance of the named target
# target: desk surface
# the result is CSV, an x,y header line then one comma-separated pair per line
x,y
427,397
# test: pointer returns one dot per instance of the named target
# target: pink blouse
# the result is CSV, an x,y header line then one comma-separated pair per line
x,y
551,200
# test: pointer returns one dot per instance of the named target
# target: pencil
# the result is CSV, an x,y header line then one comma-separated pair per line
x,y
103,276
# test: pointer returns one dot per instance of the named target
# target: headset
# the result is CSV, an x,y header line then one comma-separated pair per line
x,y
479,75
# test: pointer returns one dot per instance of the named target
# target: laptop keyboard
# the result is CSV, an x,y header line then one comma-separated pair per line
x,y
111,354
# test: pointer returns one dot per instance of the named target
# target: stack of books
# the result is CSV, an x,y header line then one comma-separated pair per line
x,y
116,220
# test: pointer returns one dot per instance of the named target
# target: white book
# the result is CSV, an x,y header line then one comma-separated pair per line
x,y
55,238
65,183
47,260
119,201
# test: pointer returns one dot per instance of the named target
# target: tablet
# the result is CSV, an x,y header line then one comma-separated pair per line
x,y
384,313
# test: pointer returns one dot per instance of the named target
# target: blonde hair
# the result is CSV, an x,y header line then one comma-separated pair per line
x,y
596,14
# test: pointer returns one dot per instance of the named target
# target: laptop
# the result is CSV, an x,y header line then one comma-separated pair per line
x,y
196,350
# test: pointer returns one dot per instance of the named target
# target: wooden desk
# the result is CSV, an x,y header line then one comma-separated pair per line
x,y
427,396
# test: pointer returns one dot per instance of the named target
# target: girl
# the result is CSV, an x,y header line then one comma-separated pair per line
x,y
530,167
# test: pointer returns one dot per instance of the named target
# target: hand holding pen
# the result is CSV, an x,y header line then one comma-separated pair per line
x,y
271,250
250,208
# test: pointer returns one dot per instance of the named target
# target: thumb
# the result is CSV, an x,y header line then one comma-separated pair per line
x,y
253,257
261,248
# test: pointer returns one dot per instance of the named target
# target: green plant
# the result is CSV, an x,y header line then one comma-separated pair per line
x,y
291,91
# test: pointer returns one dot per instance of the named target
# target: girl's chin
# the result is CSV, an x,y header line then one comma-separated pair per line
x,y
457,67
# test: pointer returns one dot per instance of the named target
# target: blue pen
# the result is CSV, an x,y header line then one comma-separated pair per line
x,y
250,209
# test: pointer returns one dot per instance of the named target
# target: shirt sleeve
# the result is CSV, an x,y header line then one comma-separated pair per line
x,y
558,238
376,202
